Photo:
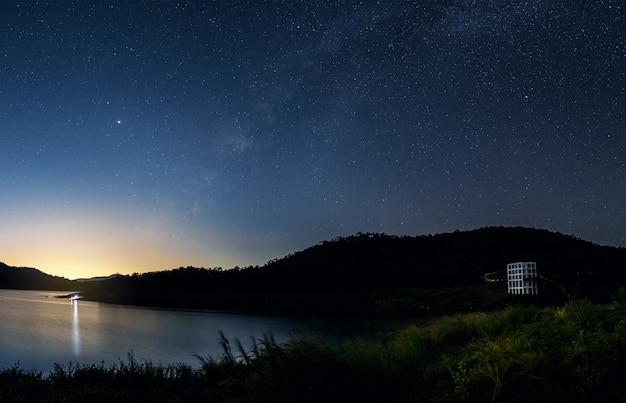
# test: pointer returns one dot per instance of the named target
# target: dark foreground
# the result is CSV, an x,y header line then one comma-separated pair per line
x,y
573,352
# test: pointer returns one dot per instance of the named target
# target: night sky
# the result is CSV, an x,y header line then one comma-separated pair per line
x,y
147,135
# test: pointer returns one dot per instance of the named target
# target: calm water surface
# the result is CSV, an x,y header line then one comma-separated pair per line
x,y
38,330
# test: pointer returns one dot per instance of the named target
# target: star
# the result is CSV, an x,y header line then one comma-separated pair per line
x,y
255,133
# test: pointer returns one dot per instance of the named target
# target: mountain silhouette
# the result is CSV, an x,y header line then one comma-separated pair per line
x,y
27,278
450,259
373,272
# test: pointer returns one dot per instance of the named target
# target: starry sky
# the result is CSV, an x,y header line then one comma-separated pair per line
x,y
147,135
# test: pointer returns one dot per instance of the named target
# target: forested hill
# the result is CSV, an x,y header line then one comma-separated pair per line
x,y
450,259
349,273
26,278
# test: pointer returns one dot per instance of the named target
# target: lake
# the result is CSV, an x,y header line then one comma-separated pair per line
x,y
37,330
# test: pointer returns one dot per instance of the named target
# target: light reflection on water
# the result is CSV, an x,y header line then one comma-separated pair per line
x,y
37,330
75,327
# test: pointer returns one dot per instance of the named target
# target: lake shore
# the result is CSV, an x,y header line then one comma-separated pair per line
x,y
570,352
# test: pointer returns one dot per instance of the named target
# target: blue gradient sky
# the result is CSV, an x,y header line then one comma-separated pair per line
x,y
146,135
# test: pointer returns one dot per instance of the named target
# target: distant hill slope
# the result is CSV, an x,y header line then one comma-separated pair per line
x,y
26,278
365,272
450,259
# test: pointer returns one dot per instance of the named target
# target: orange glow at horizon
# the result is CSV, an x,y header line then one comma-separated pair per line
x,y
101,242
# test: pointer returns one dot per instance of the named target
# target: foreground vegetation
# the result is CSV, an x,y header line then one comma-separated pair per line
x,y
573,352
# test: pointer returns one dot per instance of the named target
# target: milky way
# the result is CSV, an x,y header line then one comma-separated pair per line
x,y
142,135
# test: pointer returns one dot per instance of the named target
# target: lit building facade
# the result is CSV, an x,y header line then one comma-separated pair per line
x,y
522,278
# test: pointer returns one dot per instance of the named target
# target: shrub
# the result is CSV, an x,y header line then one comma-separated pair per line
x,y
489,365
17,384
619,298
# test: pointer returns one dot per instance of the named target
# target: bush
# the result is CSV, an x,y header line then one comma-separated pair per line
x,y
619,298
18,385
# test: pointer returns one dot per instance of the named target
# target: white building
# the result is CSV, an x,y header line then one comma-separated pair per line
x,y
522,278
